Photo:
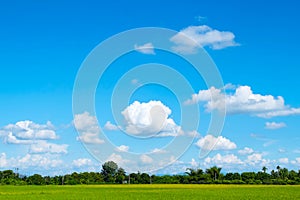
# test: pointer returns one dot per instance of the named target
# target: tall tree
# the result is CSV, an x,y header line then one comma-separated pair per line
x,y
120,175
264,169
109,170
214,172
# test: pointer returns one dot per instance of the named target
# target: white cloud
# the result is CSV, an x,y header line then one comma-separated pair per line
x,y
82,162
255,158
145,48
269,142
42,146
11,139
194,134
246,151
296,151
150,119
200,18
85,122
23,132
123,148
146,159
158,151
117,159
191,38
90,138
283,160
3,160
232,162
243,100
88,128
296,161
38,160
283,112
220,160
274,125
111,127
193,163
209,142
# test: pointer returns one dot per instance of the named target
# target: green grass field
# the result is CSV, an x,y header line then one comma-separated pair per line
x,y
151,192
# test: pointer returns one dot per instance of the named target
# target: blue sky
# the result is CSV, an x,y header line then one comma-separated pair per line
x,y
253,45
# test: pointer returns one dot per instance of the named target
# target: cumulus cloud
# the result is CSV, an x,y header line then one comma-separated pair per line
x,y
243,100
256,157
209,142
150,119
188,40
296,161
88,128
284,160
145,48
123,148
111,127
42,146
117,159
37,160
246,151
24,131
220,160
158,151
34,135
3,160
274,125
82,162
11,139
46,164
146,159
232,162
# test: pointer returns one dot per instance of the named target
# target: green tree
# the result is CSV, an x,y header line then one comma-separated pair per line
x,y
36,179
109,170
278,171
284,173
195,175
248,177
120,176
264,169
214,172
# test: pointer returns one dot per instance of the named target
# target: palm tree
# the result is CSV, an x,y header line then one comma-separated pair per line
x,y
190,172
214,172
264,169
194,175
278,170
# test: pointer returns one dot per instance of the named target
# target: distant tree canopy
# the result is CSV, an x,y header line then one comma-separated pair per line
x,y
112,174
109,171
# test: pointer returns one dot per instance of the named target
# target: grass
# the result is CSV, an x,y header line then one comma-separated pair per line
x,y
151,192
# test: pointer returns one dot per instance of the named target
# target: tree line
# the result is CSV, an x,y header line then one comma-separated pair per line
x,y
112,174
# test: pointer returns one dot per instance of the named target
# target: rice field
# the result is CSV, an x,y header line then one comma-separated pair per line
x,y
151,192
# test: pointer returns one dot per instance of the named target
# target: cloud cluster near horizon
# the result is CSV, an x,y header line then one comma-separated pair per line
x,y
242,100
36,136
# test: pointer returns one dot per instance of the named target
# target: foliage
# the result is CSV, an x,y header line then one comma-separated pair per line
x,y
111,174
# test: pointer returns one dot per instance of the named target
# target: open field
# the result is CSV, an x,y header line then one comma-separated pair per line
x,y
151,192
